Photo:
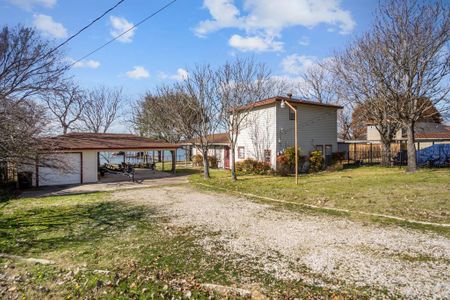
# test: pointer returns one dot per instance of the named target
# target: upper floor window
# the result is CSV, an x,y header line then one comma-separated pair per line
x,y
291,114
241,152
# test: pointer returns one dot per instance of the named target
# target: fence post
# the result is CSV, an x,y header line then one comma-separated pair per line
x,y
371,153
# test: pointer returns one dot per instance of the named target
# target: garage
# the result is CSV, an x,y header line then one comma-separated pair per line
x,y
69,169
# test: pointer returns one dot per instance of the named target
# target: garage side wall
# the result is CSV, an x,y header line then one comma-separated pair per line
x,y
90,169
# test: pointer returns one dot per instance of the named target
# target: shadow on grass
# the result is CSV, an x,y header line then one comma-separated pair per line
x,y
63,227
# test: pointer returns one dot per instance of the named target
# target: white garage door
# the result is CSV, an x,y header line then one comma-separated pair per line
x,y
68,173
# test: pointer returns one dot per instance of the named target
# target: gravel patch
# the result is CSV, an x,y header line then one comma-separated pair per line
x,y
333,250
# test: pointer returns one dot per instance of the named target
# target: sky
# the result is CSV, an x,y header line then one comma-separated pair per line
x,y
287,35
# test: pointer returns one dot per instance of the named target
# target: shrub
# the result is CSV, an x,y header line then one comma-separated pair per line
x,y
213,161
286,161
316,161
197,160
252,166
283,167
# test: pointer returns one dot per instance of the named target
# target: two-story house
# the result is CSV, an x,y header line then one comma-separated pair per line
x,y
269,129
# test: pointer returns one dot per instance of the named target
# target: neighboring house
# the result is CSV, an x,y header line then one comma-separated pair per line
x,y
269,129
74,158
426,134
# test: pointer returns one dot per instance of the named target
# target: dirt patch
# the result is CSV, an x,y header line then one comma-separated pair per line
x,y
318,250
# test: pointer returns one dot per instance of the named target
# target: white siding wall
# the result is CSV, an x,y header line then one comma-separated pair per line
x,y
259,134
90,169
217,151
374,135
317,125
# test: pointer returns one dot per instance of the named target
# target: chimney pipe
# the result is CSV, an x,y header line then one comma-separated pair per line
x,y
289,95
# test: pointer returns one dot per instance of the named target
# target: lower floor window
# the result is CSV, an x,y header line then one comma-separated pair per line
x,y
241,152
267,155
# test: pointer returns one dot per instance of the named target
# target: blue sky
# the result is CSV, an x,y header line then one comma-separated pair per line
x,y
286,35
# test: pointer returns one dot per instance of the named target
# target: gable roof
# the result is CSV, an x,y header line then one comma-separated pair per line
x,y
217,138
429,130
105,141
294,101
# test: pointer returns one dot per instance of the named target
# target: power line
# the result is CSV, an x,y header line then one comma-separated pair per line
x,y
123,33
85,27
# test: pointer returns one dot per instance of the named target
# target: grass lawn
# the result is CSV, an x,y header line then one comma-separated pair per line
x,y
423,196
111,249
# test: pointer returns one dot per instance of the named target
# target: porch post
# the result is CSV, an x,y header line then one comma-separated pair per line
x,y
173,152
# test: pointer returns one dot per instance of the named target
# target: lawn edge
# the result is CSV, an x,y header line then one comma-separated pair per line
x,y
339,210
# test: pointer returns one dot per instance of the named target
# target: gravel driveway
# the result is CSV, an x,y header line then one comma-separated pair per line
x,y
320,250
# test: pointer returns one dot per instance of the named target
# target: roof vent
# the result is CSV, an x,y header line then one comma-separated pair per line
x,y
289,95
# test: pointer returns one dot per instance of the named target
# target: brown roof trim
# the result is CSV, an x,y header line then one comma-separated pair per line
x,y
105,142
293,101
217,139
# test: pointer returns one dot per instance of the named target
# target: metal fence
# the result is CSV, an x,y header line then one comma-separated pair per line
x,y
435,155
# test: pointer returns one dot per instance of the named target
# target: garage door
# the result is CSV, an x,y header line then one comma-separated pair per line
x,y
69,171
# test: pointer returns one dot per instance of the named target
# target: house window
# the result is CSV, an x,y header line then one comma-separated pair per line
x,y
267,155
328,150
241,152
291,114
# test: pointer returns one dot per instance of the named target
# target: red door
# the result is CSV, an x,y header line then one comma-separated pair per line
x,y
226,157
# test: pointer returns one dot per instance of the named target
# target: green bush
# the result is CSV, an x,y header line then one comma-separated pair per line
x,y
316,161
283,165
252,166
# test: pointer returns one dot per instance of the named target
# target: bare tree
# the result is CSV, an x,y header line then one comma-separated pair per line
x,y
193,104
412,38
28,69
241,83
66,104
318,83
28,66
358,82
149,117
344,121
101,109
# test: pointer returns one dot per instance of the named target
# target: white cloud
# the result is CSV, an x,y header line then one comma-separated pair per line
x,y
297,64
119,26
90,63
266,19
49,27
254,43
29,4
138,72
180,75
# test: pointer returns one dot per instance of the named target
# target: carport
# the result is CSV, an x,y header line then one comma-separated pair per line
x,y
78,154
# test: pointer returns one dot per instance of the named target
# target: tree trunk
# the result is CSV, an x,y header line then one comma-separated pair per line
x,y
386,154
411,147
205,165
65,128
233,163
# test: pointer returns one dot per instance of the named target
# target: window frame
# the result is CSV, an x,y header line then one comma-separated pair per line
x,y
291,115
330,147
239,154
267,155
